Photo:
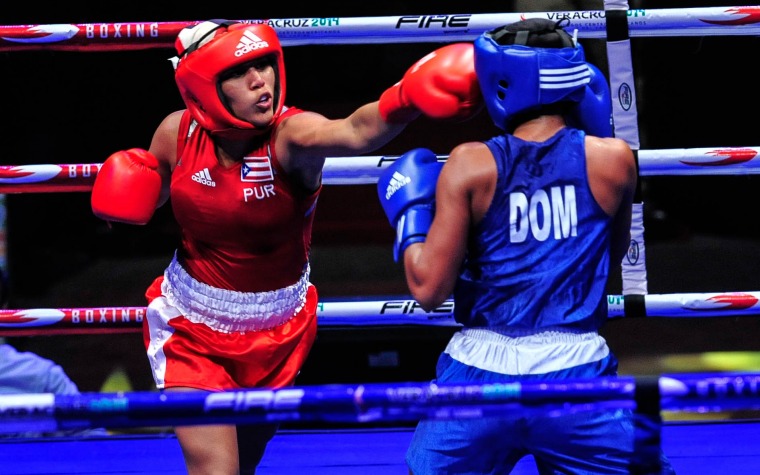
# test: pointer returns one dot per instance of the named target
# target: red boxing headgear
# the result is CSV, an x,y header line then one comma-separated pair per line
x,y
207,50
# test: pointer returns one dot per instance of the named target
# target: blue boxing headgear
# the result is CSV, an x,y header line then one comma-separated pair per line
x,y
534,63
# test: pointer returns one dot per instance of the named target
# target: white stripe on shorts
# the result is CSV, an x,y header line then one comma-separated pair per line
x,y
534,353
158,316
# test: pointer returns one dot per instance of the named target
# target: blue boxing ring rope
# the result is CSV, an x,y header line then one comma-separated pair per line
x,y
377,402
368,403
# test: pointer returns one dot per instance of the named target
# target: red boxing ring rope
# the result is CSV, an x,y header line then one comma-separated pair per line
x,y
715,21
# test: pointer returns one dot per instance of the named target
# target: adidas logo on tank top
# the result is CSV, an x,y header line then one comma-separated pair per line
x,y
204,178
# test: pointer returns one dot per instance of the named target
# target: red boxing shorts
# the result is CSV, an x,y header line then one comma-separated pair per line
x,y
185,351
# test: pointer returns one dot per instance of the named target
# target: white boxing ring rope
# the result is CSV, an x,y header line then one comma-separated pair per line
x,y
377,402
665,22
389,311
365,170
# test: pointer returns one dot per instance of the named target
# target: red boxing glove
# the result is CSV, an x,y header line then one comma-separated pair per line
x,y
127,187
442,85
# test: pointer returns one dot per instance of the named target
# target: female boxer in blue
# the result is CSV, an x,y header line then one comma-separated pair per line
x,y
524,230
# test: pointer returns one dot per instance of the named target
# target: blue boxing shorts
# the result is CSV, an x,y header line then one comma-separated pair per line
x,y
581,442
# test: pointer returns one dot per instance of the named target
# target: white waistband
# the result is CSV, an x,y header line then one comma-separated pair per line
x,y
526,353
228,310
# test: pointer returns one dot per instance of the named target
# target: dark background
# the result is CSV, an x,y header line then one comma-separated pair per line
x,y
66,107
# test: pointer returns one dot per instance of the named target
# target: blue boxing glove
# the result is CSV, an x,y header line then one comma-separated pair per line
x,y
593,113
407,194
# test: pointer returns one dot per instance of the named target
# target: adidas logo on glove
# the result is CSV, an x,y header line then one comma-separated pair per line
x,y
249,42
397,181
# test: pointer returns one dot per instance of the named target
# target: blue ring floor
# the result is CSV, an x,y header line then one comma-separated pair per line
x,y
699,448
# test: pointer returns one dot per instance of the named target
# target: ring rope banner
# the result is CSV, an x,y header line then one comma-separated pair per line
x,y
392,311
625,121
122,36
374,402
365,170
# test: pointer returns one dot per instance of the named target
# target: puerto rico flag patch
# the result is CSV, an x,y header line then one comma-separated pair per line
x,y
256,169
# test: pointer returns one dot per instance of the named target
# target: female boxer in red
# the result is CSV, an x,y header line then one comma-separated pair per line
x,y
235,308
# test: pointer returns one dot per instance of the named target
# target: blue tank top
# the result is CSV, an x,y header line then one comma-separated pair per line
x,y
540,256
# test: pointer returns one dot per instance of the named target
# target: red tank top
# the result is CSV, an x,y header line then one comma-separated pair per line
x,y
245,228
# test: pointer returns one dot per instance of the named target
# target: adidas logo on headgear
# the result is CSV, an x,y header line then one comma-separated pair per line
x,y
397,181
249,42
